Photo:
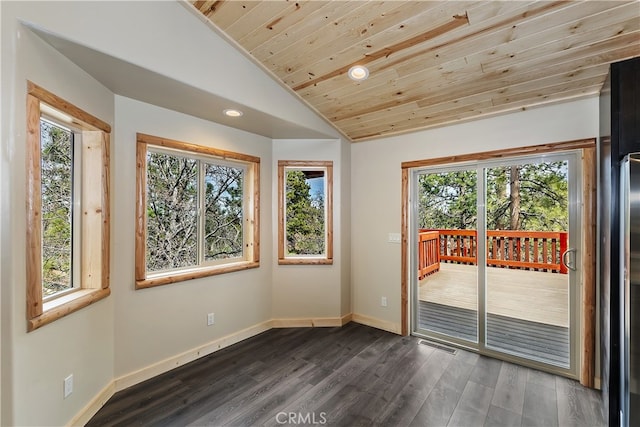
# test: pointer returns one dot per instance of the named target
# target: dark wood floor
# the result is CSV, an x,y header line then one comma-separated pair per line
x,y
350,376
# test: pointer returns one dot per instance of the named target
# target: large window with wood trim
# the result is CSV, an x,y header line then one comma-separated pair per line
x,y
197,211
305,232
67,208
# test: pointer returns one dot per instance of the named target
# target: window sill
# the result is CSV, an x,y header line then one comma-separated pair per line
x,y
177,276
60,307
305,261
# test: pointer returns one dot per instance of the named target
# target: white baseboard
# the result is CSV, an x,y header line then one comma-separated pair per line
x,y
163,366
94,405
346,318
309,322
377,323
166,365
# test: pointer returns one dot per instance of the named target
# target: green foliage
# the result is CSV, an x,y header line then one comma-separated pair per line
x,y
223,207
305,228
56,176
173,227
542,202
172,223
448,200
530,197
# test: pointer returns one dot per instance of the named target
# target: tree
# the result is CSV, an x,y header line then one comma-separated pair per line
x,y
535,199
56,176
304,216
173,225
530,196
223,212
172,189
514,198
448,200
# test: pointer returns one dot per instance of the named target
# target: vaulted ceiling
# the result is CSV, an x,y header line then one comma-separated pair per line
x,y
431,63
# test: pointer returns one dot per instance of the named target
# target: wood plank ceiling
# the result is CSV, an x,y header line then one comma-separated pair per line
x,y
431,63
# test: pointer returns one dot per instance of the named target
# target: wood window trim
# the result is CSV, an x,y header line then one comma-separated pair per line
x,y
589,241
40,313
320,260
253,166
586,367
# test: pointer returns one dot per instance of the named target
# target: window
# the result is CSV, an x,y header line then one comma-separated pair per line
x,y
58,168
305,232
67,208
197,211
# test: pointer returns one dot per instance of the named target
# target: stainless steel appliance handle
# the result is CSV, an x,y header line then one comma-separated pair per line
x,y
570,264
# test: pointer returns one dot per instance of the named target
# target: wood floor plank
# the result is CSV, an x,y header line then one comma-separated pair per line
x,y
541,378
486,371
437,409
473,405
378,391
499,417
443,399
540,406
404,407
344,407
223,415
350,376
510,388
199,402
263,409
147,407
575,404
411,361
311,401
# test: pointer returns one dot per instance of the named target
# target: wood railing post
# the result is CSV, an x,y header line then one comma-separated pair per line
x,y
428,252
564,245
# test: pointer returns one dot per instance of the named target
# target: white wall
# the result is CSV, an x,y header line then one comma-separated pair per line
x,y
164,36
343,205
376,184
157,323
310,291
35,364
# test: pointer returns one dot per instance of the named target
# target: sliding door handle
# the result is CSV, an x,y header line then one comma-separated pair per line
x,y
568,260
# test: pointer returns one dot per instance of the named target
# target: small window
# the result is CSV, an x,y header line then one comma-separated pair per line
x,y
67,208
305,234
197,211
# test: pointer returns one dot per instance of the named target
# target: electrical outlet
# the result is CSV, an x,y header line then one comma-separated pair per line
x,y
211,319
394,238
383,301
68,386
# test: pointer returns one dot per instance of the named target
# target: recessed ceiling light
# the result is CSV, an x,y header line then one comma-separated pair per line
x,y
232,113
358,73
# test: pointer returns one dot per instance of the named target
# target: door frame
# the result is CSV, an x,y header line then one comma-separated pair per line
x,y
587,299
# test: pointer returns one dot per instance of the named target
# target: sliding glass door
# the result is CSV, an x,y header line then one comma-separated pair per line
x,y
447,282
495,258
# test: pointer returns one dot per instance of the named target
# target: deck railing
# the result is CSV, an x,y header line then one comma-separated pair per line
x,y
428,253
527,250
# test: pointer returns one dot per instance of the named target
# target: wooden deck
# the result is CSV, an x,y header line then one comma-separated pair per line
x,y
527,310
534,296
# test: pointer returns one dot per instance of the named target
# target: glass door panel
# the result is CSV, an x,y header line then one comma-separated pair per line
x,y
446,304
527,283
